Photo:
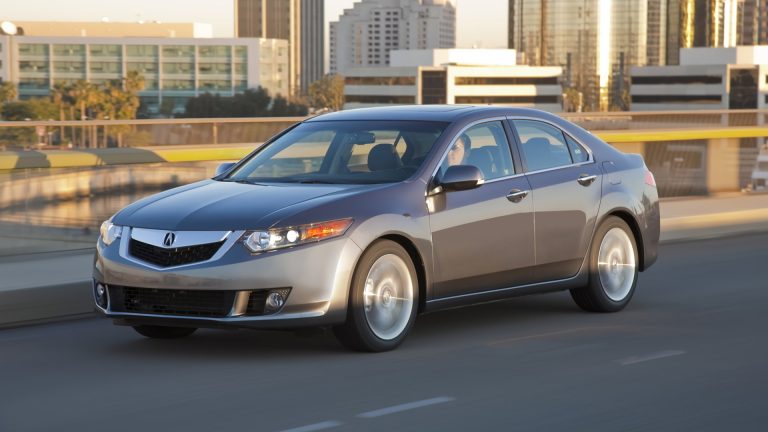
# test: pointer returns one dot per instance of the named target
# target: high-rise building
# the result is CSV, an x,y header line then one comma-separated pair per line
x,y
710,23
364,35
594,41
273,19
312,37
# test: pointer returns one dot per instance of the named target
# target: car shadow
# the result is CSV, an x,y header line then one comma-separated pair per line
x,y
433,330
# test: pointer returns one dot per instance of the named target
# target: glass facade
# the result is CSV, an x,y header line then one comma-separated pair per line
x,y
594,41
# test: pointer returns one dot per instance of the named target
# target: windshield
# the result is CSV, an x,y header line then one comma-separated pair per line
x,y
342,152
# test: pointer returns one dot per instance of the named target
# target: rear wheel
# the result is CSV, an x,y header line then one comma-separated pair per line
x,y
613,267
383,299
162,332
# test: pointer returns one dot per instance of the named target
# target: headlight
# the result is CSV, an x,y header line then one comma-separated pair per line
x,y
110,232
276,238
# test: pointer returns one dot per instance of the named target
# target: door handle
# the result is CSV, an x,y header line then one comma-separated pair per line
x,y
586,180
517,195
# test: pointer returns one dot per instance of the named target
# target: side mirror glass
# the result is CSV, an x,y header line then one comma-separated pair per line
x,y
461,177
221,169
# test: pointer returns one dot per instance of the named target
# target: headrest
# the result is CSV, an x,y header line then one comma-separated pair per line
x,y
383,157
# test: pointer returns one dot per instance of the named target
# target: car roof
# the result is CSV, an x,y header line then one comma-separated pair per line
x,y
445,113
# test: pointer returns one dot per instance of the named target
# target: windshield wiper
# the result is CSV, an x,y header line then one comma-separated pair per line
x,y
243,181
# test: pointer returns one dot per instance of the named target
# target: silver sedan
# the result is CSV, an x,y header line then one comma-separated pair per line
x,y
360,220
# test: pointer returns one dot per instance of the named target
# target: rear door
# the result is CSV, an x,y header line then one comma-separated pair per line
x,y
483,238
566,185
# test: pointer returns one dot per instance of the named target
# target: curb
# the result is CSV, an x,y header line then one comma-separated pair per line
x,y
25,306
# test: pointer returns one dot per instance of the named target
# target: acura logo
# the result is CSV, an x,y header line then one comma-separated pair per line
x,y
169,239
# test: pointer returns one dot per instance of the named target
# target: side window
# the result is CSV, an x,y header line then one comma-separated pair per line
x,y
543,145
485,146
578,152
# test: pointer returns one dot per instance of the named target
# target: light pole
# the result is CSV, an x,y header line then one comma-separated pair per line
x,y
10,29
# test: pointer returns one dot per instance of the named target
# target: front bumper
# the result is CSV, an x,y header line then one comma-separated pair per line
x,y
318,275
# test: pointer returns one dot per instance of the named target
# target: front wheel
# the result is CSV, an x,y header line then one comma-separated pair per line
x,y
613,263
162,332
383,299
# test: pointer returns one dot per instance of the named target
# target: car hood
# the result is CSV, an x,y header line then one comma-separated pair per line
x,y
215,205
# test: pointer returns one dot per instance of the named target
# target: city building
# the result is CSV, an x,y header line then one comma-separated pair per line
x,y
594,41
312,42
705,79
274,19
597,41
454,76
364,35
174,69
153,29
710,23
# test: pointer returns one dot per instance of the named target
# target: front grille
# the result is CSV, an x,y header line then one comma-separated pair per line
x,y
194,303
173,256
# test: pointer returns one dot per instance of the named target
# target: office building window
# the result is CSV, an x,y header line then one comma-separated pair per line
x,y
105,50
141,50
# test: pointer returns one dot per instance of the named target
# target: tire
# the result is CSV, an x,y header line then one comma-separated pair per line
x,y
162,332
380,320
613,264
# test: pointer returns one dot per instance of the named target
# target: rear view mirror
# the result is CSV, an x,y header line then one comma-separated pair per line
x,y
461,177
363,138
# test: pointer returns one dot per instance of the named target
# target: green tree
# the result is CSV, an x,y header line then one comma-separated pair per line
x,y
8,92
327,93
32,109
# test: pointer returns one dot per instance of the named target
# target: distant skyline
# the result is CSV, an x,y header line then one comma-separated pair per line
x,y
481,23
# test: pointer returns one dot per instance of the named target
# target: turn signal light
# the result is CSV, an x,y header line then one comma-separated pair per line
x,y
649,179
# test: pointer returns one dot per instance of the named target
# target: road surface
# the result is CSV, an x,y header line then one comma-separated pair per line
x,y
689,353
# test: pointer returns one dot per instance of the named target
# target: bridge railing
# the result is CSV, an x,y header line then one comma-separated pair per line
x,y
53,195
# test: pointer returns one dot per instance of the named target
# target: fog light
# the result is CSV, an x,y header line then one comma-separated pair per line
x,y
100,295
275,300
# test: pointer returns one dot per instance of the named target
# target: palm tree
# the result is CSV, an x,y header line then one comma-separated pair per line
x,y
62,97
85,96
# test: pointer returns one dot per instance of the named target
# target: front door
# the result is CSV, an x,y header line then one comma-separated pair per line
x,y
482,238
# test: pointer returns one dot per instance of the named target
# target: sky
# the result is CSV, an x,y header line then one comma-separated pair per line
x,y
480,23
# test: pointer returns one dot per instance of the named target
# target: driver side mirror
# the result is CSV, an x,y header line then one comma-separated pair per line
x,y
461,177
221,169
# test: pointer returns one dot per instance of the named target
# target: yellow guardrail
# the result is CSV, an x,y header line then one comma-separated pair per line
x,y
10,160
121,156
641,135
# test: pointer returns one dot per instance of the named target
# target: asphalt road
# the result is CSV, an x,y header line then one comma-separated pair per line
x,y
689,353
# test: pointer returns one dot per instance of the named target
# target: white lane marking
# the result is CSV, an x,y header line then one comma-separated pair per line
x,y
654,356
405,407
316,426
